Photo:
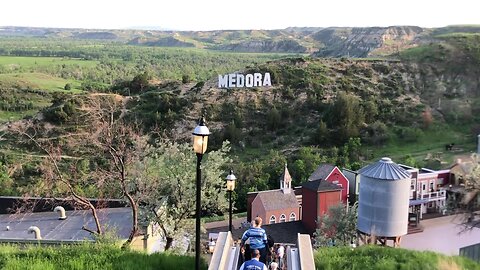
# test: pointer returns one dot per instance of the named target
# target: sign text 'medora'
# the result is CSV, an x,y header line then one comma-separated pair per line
x,y
241,80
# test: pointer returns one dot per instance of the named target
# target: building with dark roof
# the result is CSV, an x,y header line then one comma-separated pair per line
x,y
332,174
306,203
15,226
50,228
275,206
317,197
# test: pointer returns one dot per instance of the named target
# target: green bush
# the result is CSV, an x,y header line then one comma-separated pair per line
x,y
89,256
385,258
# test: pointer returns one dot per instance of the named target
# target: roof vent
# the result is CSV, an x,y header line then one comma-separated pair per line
x,y
62,212
36,231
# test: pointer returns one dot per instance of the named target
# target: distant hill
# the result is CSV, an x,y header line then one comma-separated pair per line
x,y
96,35
366,41
357,42
161,42
271,46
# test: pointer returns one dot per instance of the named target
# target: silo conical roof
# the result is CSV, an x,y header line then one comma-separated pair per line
x,y
384,169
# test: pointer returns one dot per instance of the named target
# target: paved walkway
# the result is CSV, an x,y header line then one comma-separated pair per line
x,y
443,235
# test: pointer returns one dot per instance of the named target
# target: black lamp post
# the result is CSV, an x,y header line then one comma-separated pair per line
x,y
200,140
230,187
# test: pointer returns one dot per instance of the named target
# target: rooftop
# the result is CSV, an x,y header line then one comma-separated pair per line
x,y
385,169
276,199
51,228
320,185
321,172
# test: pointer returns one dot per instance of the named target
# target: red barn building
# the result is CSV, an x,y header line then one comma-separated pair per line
x,y
317,197
332,174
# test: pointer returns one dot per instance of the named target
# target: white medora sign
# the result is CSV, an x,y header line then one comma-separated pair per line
x,y
237,80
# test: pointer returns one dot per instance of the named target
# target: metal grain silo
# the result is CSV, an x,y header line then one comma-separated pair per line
x,y
383,200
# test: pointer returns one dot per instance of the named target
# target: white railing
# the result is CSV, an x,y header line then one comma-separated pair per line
x,y
436,195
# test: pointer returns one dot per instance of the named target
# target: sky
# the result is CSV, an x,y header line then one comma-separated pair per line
x,y
242,14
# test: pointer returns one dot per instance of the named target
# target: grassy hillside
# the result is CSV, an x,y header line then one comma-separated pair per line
x,y
341,111
381,258
88,257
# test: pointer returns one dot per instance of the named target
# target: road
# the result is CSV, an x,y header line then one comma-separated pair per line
x,y
442,235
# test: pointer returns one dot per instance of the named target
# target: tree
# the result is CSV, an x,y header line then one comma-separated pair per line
x,y
68,86
118,146
467,201
321,134
274,119
347,117
232,133
55,182
165,186
107,143
6,182
338,227
306,161
139,82
371,111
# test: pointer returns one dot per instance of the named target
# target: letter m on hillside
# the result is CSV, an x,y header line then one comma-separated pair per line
x,y
222,81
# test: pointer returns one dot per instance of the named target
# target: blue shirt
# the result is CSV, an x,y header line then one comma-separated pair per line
x,y
258,237
253,264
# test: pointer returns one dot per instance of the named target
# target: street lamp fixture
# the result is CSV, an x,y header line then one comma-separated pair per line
x,y
230,187
200,141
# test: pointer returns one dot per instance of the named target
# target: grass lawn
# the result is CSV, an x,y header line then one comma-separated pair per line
x,y
15,62
90,257
37,81
12,116
431,143
386,258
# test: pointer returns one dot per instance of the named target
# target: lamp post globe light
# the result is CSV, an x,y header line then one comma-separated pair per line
x,y
200,141
230,187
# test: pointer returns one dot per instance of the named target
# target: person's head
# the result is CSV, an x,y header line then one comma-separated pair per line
x,y
257,222
255,253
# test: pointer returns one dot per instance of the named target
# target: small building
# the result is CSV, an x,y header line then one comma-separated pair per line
x,y
317,197
427,189
68,228
275,206
332,174
460,170
353,184
325,188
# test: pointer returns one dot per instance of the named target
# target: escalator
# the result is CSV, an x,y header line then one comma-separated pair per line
x,y
227,256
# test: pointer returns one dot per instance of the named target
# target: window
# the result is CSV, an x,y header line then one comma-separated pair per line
x,y
431,186
273,219
283,218
293,217
412,185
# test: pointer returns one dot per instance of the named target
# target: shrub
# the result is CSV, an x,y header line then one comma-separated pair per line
x,y
68,86
186,78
